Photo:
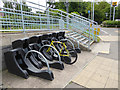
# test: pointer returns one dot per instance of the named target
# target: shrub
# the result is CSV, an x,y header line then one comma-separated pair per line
x,y
110,23
75,13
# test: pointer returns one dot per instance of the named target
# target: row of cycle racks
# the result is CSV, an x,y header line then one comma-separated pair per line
x,y
29,55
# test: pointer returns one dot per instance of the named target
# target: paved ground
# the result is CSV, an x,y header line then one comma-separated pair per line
x,y
109,31
61,77
99,73
101,47
113,44
61,81
113,50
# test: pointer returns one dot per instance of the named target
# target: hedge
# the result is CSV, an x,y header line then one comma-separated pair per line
x,y
110,23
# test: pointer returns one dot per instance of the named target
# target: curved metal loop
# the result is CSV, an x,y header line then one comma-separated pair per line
x,y
75,40
71,43
40,55
52,48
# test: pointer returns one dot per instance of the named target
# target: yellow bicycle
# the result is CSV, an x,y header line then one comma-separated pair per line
x,y
63,51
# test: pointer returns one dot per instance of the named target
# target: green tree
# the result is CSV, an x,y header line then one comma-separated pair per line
x,y
17,6
7,5
100,8
118,12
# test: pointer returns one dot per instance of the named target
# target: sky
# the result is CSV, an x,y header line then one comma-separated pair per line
x,y
105,0
43,2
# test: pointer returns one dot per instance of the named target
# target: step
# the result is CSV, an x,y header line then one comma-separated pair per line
x,y
90,43
72,33
75,35
83,38
78,37
86,41
83,41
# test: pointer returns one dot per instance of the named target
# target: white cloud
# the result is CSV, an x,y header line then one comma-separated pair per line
x,y
1,4
41,2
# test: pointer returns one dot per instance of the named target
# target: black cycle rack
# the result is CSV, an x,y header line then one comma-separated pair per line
x,y
61,35
14,65
42,48
19,64
29,55
23,43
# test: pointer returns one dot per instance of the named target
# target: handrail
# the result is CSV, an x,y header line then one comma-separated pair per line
x,y
85,18
56,10
66,13
48,15
48,11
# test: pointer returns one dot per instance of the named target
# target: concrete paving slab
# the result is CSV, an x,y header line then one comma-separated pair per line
x,y
101,75
101,48
109,31
111,83
113,51
62,77
116,31
74,85
94,84
109,38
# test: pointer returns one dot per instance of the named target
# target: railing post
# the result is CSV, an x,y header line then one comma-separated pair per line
x,y
67,21
89,37
93,30
61,19
40,21
61,15
52,23
98,30
48,19
22,16
96,33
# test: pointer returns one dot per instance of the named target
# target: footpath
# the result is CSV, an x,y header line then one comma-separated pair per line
x,y
103,70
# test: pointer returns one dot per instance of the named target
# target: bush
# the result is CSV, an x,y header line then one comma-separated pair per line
x,y
75,13
110,23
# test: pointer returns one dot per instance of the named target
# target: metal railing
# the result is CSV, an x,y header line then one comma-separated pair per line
x,y
30,16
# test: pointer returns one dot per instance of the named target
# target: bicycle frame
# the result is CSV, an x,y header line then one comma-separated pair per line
x,y
63,46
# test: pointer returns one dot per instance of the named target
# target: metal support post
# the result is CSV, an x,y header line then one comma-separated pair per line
x,y
110,9
48,19
22,17
67,9
52,23
114,14
89,37
40,22
67,21
61,15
